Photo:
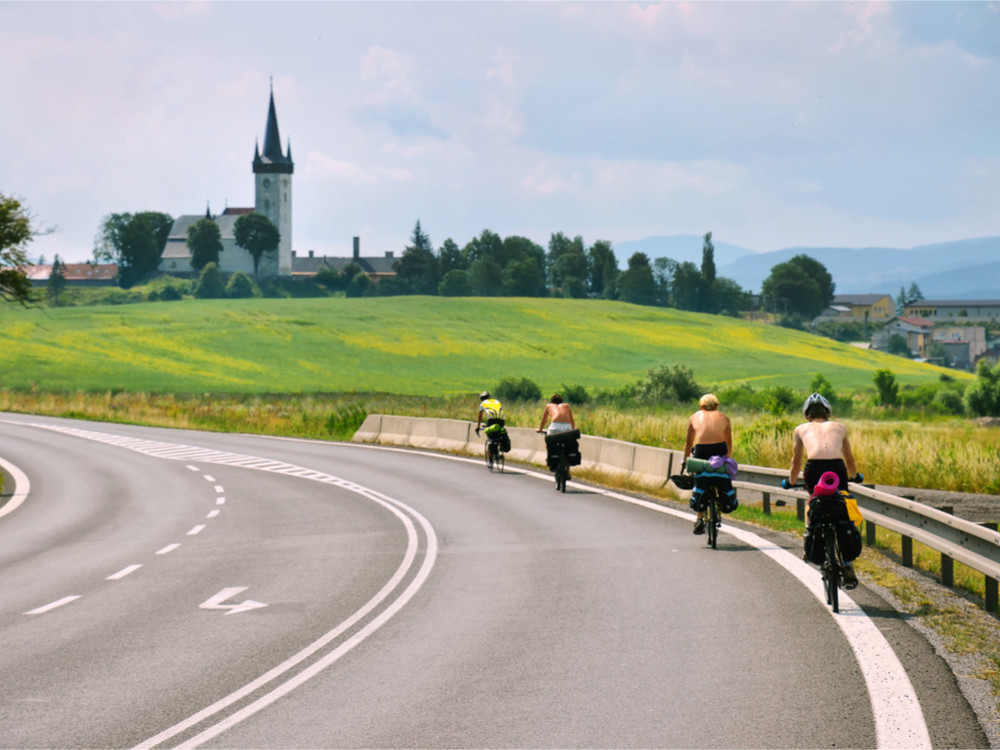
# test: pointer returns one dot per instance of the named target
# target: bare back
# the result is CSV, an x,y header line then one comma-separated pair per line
x,y
822,440
710,427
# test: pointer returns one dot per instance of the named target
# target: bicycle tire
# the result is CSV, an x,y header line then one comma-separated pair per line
x,y
489,455
562,471
713,518
500,461
831,566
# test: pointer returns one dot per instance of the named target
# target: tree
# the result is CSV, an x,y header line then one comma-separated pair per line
x,y
637,284
257,235
800,286
686,289
57,280
135,242
603,267
886,387
418,267
663,274
450,257
210,284
982,398
898,346
487,245
566,257
205,243
15,234
908,297
708,276
455,283
524,278
485,278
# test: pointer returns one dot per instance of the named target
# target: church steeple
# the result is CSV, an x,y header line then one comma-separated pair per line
x,y
272,160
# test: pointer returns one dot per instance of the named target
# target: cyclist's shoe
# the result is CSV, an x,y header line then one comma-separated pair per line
x,y
850,577
699,526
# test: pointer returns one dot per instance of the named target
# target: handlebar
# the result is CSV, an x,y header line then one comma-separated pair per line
x,y
786,485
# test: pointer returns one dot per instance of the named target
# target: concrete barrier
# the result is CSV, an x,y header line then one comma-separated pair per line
x,y
645,465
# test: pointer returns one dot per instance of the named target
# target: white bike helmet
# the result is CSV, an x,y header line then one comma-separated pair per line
x,y
484,395
816,400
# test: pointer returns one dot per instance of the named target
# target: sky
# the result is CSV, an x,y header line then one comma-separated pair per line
x,y
770,124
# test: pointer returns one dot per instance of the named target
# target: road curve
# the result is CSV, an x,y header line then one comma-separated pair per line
x,y
339,595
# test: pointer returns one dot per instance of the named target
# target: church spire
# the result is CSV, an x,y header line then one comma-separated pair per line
x,y
272,159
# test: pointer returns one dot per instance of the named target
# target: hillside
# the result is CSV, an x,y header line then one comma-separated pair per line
x,y
408,345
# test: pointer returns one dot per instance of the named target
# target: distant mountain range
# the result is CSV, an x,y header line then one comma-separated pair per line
x,y
964,269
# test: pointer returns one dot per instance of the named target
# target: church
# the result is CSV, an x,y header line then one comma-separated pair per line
x,y
272,169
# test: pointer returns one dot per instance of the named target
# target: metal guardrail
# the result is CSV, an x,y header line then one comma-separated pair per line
x,y
972,544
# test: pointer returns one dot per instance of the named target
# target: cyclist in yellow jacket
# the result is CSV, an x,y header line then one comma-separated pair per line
x,y
491,410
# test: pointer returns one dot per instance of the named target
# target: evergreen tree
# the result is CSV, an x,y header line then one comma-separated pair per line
x,y
57,280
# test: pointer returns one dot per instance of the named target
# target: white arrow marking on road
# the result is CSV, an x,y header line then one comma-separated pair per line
x,y
216,601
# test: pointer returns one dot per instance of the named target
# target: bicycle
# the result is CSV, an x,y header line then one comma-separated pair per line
x,y
824,539
559,445
709,495
494,456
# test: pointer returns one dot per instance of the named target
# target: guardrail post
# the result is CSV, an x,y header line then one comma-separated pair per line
x,y
947,563
869,533
767,503
907,551
991,583
800,508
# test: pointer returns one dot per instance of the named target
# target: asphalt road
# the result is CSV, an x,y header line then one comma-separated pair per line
x,y
162,588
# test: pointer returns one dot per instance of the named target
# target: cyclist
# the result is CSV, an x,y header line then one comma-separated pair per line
x,y
561,415
492,410
828,449
709,433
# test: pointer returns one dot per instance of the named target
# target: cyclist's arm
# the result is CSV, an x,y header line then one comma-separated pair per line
x,y
852,467
797,450
545,418
689,441
729,437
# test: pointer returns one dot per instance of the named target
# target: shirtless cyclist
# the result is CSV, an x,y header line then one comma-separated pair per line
x,y
709,433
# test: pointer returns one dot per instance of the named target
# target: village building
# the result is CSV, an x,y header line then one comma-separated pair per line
x,y
915,331
859,307
75,274
954,310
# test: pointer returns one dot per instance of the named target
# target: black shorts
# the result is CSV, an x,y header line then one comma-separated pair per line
x,y
707,450
815,468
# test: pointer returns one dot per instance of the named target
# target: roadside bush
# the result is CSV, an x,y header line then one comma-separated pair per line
x,y
780,399
210,284
241,286
886,387
982,398
950,401
574,394
665,383
514,389
170,294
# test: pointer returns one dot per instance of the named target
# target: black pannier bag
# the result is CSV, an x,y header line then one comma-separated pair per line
x,y
726,501
556,441
831,508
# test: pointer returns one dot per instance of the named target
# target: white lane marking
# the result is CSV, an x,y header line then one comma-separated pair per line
x,y
216,602
219,489
212,513
166,550
210,478
193,468
197,529
22,487
53,605
899,719
220,501
122,573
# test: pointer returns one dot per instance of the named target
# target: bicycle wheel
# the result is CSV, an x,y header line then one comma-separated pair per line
x,y
500,460
831,569
489,455
562,471
712,511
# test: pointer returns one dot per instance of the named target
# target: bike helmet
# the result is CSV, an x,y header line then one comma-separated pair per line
x,y
484,395
813,402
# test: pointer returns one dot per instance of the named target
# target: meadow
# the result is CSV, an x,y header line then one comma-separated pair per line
x,y
415,346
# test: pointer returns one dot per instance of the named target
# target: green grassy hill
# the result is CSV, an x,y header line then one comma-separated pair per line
x,y
408,345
